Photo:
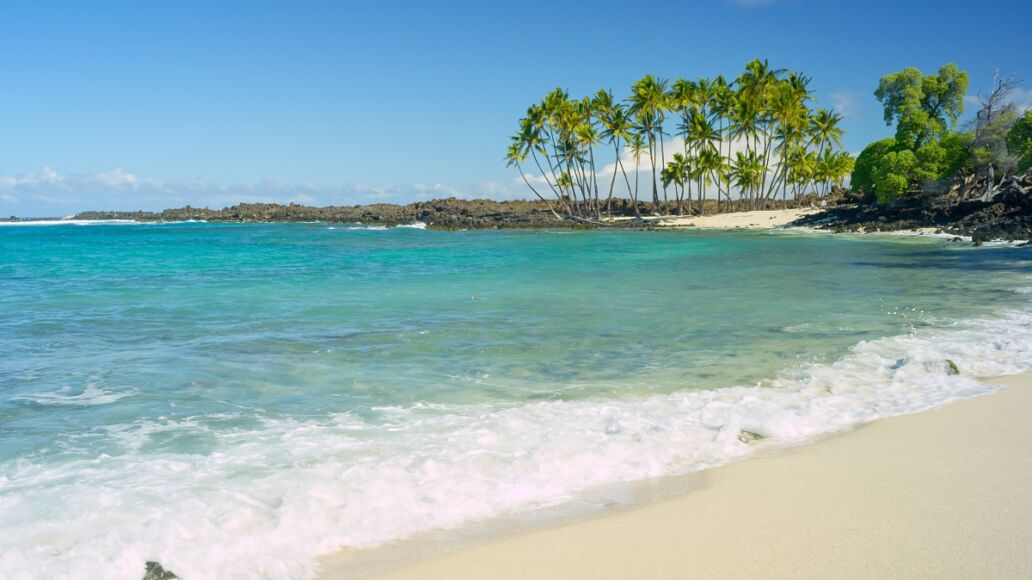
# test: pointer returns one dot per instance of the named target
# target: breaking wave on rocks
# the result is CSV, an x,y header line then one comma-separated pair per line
x,y
269,500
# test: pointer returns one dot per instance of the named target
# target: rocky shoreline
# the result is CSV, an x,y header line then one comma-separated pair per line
x,y
444,214
963,208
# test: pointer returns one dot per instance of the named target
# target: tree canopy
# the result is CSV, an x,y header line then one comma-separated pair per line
x,y
759,136
924,107
1019,141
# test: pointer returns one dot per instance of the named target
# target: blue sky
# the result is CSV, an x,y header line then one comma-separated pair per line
x,y
145,105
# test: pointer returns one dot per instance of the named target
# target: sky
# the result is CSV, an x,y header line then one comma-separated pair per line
x,y
147,105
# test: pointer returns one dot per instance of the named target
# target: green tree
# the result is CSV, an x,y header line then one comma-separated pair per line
x,y
924,107
893,174
765,114
648,103
1019,141
637,146
867,164
959,159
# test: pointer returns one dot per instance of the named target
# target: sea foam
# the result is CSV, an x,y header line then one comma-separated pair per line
x,y
88,397
68,222
270,500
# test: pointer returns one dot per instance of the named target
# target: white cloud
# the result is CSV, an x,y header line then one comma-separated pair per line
x,y
1022,98
48,192
846,103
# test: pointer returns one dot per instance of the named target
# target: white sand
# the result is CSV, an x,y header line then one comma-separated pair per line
x,y
737,220
941,494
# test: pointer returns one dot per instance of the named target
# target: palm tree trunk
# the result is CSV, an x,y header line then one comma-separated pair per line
x,y
525,180
636,175
652,159
663,159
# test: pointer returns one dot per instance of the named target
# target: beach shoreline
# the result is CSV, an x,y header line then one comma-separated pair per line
x,y
749,220
940,493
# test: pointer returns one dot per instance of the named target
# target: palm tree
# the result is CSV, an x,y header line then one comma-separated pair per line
x,y
677,173
747,171
647,106
704,137
788,115
722,103
842,167
745,125
711,169
515,156
616,128
775,140
824,130
636,144
682,99
832,167
587,137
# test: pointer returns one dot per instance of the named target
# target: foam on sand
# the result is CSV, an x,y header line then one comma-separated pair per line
x,y
268,501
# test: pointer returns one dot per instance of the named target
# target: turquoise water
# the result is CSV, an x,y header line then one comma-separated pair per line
x,y
216,396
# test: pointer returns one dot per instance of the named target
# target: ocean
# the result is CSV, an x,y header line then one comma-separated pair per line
x,y
237,400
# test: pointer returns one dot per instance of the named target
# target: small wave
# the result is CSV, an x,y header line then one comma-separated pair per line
x,y
270,500
375,228
69,222
89,397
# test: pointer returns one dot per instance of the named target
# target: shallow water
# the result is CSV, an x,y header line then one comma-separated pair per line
x,y
238,399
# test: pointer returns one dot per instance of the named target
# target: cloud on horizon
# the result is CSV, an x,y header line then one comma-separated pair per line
x,y
50,193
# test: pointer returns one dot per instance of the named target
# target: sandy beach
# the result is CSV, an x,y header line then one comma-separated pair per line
x,y
752,220
939,494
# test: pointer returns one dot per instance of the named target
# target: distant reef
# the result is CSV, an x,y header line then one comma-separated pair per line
x,y
444,214
962,207
438,214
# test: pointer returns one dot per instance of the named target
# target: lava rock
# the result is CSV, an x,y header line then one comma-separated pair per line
x,y
154,571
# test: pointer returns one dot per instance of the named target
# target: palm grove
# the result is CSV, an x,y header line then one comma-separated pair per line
x,y
749,143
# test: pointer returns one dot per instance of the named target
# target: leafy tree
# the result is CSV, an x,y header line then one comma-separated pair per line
x,y
867,164
924,107
888,170
893,174
1019,141
959,159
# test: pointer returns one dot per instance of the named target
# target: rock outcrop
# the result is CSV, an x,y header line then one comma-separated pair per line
x,y
965,207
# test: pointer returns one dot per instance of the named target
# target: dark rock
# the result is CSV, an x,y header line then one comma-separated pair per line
x,y
749,436
963,209
952,368
438,214
154,571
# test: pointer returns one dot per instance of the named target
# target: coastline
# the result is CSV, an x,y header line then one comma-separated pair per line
x,y
750,220
941,493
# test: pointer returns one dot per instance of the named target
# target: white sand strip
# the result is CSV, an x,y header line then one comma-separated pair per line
x,y
942,494
737,220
